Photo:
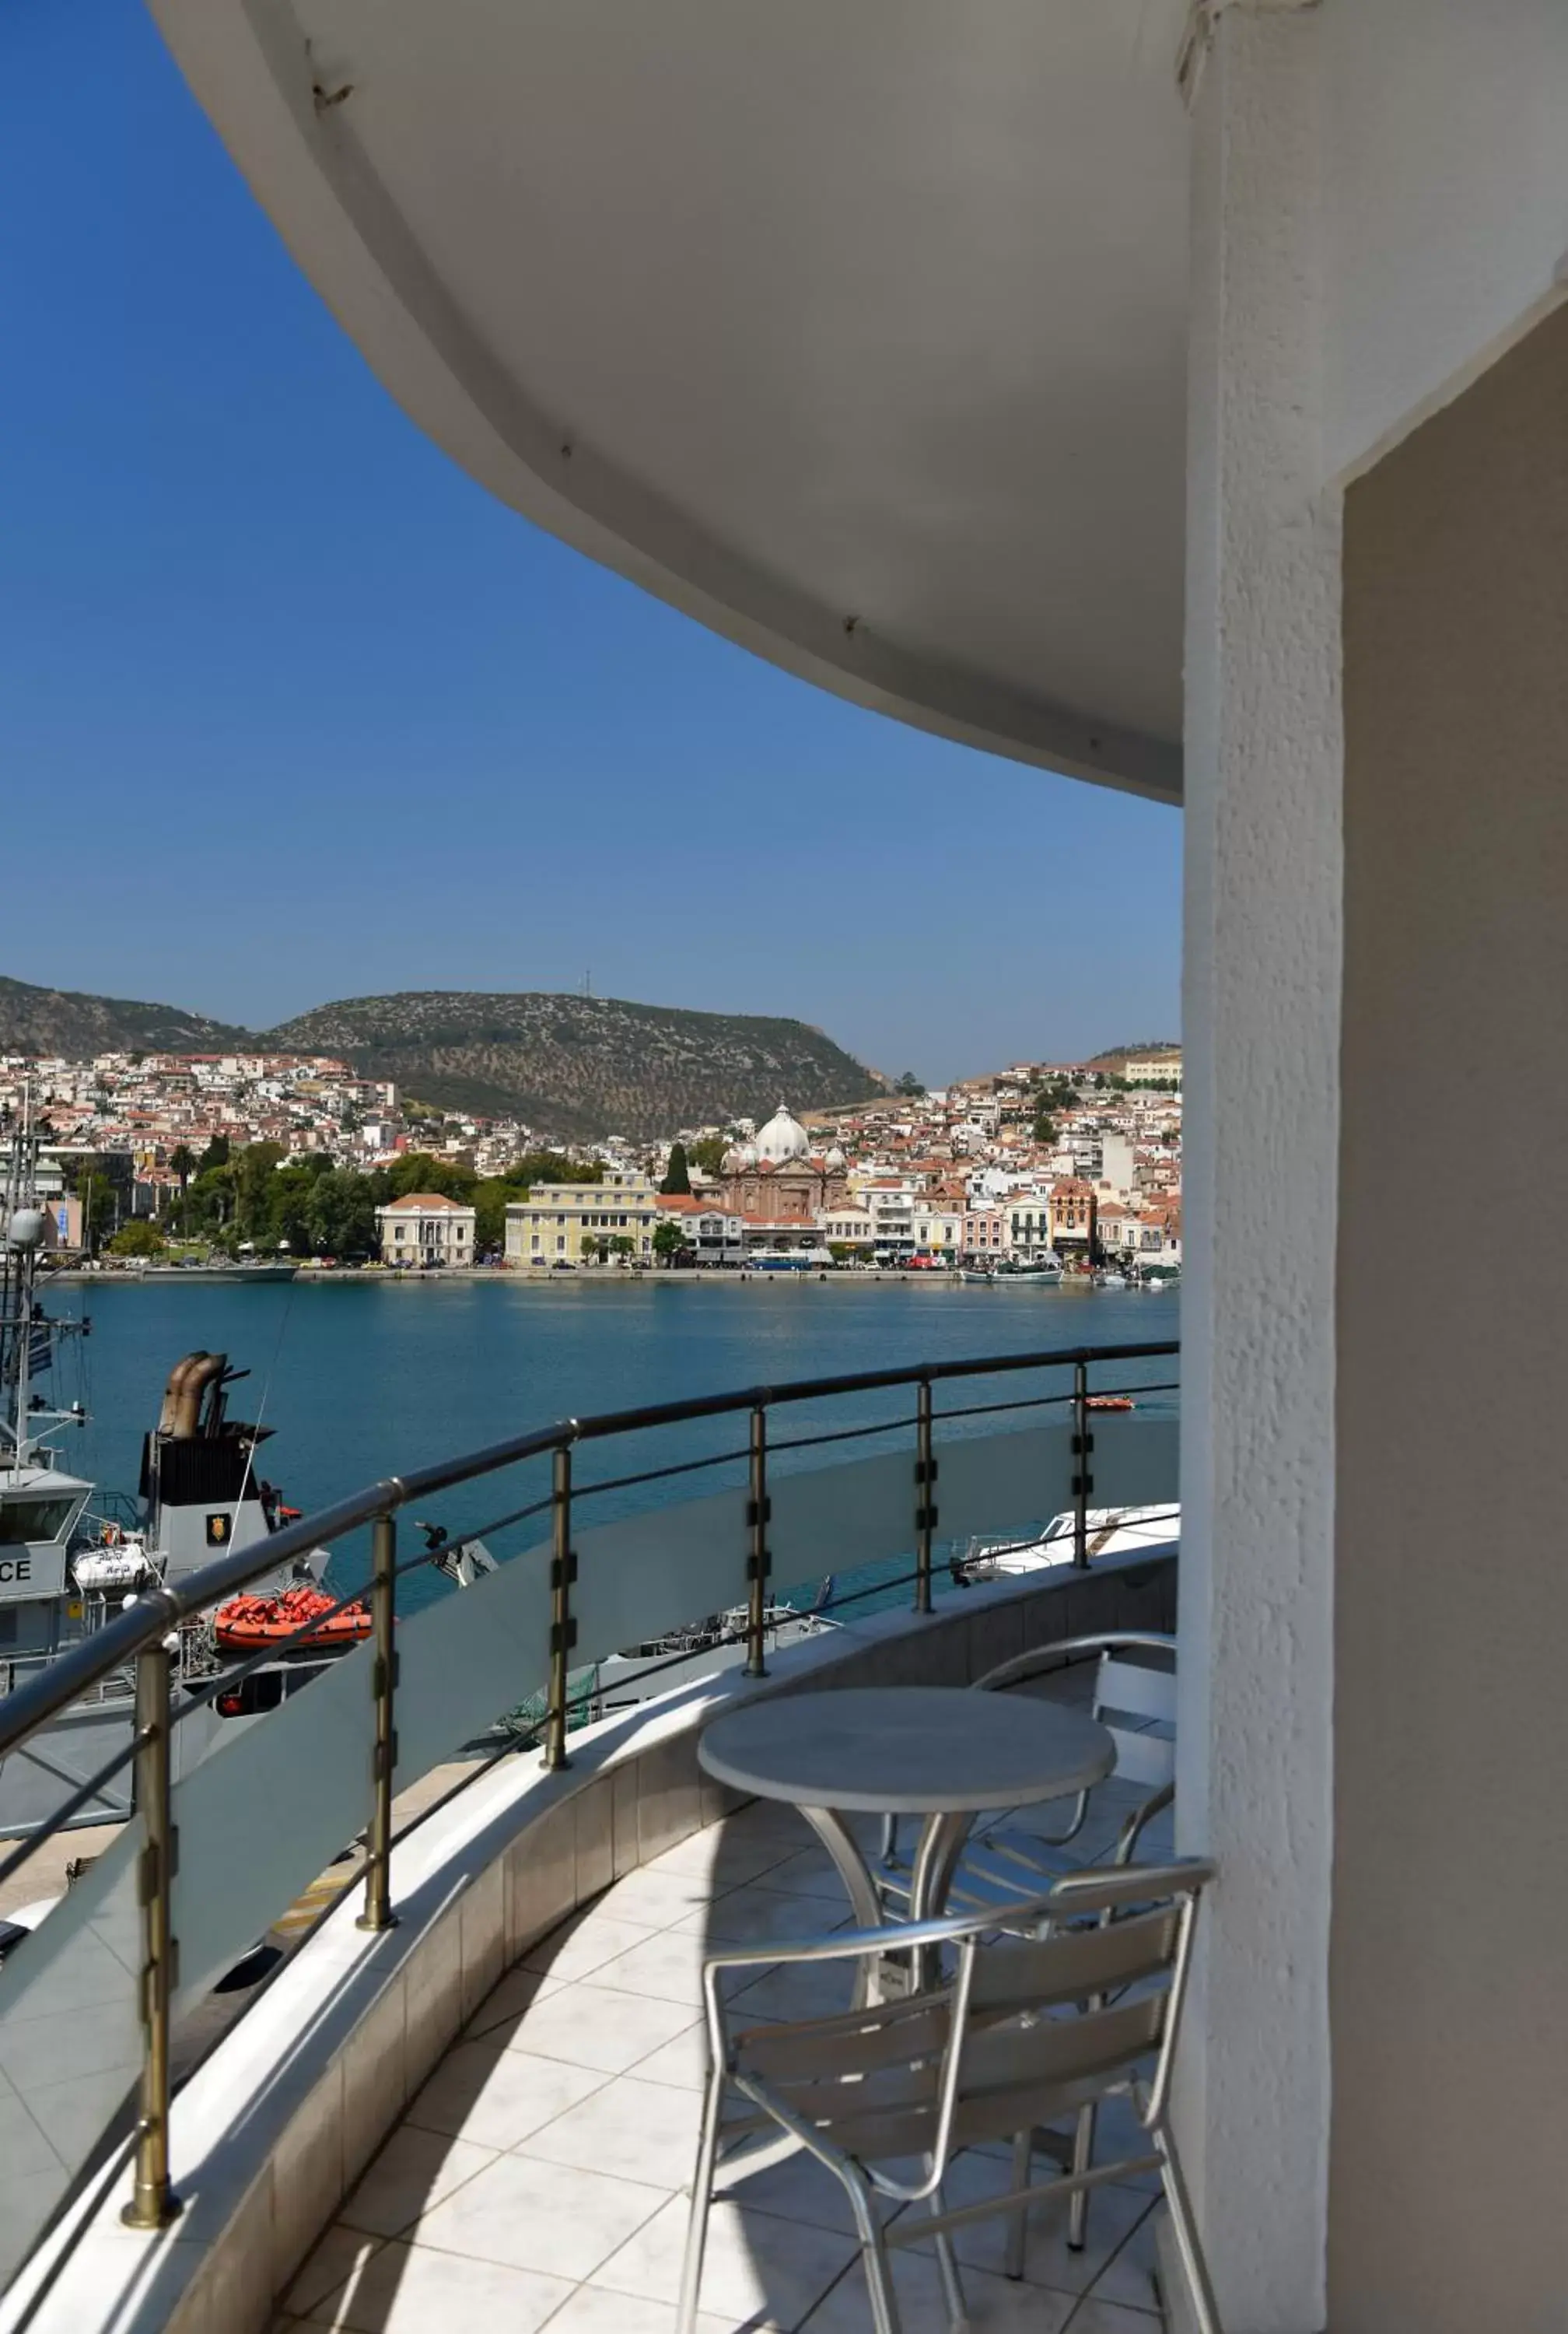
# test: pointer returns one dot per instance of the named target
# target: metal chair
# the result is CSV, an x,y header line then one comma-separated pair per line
x,y
1027,2032
1002,1864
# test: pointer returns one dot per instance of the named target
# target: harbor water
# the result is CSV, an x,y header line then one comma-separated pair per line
x,y
362,1377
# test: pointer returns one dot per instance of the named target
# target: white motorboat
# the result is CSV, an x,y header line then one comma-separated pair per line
x,y
1108,1531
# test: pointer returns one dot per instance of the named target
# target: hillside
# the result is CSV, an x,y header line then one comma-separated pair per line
x,y
67,1022
572,1066
580,1066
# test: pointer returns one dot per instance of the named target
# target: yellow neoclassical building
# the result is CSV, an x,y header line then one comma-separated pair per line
x,y
557,1222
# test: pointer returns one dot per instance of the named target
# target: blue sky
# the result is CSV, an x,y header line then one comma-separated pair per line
x,y
290,710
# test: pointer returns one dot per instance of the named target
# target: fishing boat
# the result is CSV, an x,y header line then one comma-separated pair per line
x,y
977,1279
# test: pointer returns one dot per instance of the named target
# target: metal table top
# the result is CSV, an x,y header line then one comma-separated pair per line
x,y
917,1750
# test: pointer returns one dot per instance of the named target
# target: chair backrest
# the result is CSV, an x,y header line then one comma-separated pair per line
x,y
1026,2029
1130,1690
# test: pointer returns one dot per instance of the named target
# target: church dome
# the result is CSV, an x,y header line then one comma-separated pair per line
x,y
783,1138
834,1160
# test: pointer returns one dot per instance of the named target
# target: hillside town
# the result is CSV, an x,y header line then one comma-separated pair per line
x,y
162,1159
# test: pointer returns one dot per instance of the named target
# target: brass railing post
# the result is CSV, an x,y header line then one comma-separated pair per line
x,y
378,1913
925,1497
562,1627
759,1560
153,2203
1083,1481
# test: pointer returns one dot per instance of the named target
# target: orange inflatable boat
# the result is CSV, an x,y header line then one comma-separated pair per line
x,y
249,1624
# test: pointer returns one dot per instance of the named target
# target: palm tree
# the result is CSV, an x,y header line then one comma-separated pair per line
x,y
182,1160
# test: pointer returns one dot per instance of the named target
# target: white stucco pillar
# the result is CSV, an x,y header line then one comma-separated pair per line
x,y
1262,1002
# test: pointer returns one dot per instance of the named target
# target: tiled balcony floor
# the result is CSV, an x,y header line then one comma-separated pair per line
x,y
539,2178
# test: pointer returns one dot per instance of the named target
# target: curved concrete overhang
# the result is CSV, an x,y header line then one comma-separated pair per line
x,y
857,334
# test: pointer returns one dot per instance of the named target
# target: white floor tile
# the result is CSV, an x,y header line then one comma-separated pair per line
x,y
1113,2213
656,1898
414,2170
683,2061
516,1992
406,2290
758,1914
756,2269
497,2096
632,2130
593,2025
583,1945
337,2256
592,2310
797,2188
725,1860
668,1966
994,2305
797,1991
539,2217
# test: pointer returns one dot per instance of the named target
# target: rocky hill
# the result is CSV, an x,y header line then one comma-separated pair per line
x,y
572,1066
66,1022
581,1066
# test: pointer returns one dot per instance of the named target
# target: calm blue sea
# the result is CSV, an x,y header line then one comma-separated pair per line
x,y
362,1378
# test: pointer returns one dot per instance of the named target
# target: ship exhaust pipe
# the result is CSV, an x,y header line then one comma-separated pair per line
x,y
180,1418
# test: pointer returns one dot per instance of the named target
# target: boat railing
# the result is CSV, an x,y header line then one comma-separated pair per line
x,y
611,1531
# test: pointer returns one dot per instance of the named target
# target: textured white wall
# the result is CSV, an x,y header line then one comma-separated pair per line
x,y
1262,1033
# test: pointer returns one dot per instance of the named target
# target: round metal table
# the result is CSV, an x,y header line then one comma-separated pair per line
x,y
943,1754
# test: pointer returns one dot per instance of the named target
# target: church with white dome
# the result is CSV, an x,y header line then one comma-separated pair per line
x,y
776,1176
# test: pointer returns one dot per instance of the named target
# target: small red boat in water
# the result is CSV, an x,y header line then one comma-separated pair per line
x,y
252,1624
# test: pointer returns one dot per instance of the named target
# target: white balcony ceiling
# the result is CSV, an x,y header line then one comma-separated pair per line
x,y
856,328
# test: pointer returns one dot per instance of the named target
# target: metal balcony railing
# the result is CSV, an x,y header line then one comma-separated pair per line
x,y
88,2003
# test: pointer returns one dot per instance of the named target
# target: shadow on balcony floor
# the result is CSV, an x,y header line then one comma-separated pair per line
x,y
539,2178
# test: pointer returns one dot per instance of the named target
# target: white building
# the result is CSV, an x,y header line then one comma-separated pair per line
x,y
425,1229
1155,1070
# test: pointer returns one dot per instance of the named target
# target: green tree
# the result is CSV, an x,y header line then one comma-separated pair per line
x,y
623,1244
591,1245
138,1238
340,1214
416,1171
489,1200
669,1239
216,1154
677,1174
707,1153
1043,1130
551,1167
253,1194
909,1085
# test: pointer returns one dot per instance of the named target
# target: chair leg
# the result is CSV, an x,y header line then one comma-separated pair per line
x,y
885,2318
947,2269
1018,2222
1189,2243
1083,2157
701,2202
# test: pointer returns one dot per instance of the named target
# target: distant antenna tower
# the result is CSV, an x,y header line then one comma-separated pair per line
x,y
587,982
